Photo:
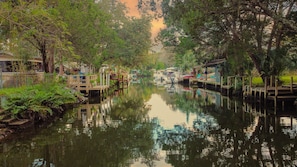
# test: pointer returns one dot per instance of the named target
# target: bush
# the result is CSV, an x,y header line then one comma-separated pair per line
x,y
41,99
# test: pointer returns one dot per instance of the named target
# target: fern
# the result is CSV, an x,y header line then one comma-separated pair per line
x,y
39,99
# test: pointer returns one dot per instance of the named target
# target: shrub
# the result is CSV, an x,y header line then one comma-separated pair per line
x,y
40,99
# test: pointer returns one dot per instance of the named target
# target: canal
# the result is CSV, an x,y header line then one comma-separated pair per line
x,y
159,126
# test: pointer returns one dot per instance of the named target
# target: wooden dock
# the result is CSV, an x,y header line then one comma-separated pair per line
x,y
225,89
88,83
273,93
276,94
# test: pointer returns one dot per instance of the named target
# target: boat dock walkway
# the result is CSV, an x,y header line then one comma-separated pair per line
x,y
88,83
273,93
97,82
213,85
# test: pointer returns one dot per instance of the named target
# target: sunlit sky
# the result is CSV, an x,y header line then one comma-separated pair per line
x,y
156,24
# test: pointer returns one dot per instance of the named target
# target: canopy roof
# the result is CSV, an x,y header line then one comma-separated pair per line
x,y
214,63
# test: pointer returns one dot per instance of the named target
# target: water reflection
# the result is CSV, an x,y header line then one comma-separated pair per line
x,y
150,126
96,114
227,133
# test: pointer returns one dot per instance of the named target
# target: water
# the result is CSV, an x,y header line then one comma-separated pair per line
x,y
162,126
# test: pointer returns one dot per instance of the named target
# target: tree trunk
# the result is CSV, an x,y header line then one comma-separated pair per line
x,y
44,58
61,69
256,61
51,60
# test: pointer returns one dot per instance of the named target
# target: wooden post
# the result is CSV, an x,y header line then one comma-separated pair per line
x,y
108,79
104,79
276,89
265,93
101,78
221,83
291,85
235,82
228,84
221,101
235,106
251,83
88,82
275,104
242,88
265,88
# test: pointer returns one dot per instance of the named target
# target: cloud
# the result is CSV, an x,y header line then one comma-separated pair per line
x,y
133,11
132,6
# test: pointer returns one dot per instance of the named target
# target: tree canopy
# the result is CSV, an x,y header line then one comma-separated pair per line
x,y
90,32
261,32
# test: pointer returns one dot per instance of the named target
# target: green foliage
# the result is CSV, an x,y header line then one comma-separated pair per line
x,y
237,30
186,61
276,62
129,108
160,65
87,25
286,79
41,99
136,34
36,24
83,31
257,81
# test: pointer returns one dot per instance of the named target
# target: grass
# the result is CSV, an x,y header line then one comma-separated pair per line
x,y
7,91
286,80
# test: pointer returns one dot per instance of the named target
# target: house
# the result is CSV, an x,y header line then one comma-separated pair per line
x,y
15,71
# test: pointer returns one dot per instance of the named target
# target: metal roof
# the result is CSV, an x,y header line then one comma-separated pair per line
x,y
215,62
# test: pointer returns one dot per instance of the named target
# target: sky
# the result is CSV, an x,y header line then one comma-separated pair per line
x,y
156,24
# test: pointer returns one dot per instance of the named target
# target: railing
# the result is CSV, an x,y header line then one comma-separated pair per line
x,y
17,79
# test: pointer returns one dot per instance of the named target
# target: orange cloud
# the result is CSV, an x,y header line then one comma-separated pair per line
x,y
132,6
157,26
133,11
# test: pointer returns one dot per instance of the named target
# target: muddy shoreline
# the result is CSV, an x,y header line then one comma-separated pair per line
x,y
17,128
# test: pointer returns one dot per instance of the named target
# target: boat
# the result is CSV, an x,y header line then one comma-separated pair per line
x,y
172,75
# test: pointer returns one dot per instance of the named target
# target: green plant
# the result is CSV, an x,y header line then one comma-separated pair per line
x,y
39,99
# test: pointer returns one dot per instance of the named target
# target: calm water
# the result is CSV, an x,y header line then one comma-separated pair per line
x,y
161,126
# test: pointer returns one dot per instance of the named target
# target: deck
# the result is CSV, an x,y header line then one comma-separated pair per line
x,y
275,94
212,85
88,83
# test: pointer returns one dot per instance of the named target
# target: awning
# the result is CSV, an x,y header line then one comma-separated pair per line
x,y
214,62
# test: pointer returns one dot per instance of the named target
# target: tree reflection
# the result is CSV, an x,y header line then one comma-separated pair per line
x,y
121,145
222,133
227,135
79,144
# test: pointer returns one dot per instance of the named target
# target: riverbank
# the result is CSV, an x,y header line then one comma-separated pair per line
x,y
24,108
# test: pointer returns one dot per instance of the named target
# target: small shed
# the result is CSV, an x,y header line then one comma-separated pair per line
x,y
217,64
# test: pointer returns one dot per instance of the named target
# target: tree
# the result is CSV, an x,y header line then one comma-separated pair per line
x,y
136,34
88,27
132,40
91,32
37,24
255,29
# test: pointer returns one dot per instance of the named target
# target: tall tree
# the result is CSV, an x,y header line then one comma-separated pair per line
x,y
36,23
97,31
256,29
136,33
133,36
88,27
